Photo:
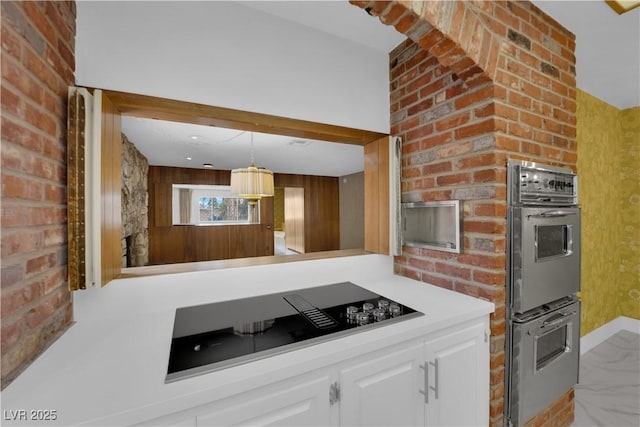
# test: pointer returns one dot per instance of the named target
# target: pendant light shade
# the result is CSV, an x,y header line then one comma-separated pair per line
x,y
252,183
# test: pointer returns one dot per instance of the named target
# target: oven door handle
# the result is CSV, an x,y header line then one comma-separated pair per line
x,y
552,214
557,319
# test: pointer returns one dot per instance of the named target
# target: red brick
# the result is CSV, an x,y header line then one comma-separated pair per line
x,y
405,23
453,150
11,333
451,122
473,97
440,281
15,75
453,270
484,261
421,264
13,301
458,178
436,168
54,15
21,188
498,209
487,159
486,175
36,15
527,147
489,277
487,227
11,43
436,140
518,100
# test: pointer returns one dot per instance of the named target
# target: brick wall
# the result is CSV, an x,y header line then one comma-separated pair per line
x,y
477,83
37,67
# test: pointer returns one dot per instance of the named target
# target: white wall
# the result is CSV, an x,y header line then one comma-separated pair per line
x,y
230,55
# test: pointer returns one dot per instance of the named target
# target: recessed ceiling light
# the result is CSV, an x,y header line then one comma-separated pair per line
x,y
207,165
299,143
195,137
188,158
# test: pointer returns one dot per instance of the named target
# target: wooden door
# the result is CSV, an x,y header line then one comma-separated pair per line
x,y
294,218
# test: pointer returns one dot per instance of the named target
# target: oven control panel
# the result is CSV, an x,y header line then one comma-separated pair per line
x,y
545,182
533,184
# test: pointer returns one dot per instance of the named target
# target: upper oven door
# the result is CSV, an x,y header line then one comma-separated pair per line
x,y
544,256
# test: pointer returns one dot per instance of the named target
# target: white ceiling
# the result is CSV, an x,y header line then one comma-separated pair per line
x,y
607,66
190,146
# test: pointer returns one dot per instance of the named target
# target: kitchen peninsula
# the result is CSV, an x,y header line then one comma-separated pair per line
x,y
109,368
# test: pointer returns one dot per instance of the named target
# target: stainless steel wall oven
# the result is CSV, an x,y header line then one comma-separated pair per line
x,y
543,263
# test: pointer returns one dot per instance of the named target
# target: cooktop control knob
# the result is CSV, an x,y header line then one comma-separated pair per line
x,y
367,307
379,314
362,318
394,310
383,304
352,310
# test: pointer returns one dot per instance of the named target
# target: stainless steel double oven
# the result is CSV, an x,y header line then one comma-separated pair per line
x,y
543,258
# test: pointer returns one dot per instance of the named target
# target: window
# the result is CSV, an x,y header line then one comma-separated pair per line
x,y
208,205
223,209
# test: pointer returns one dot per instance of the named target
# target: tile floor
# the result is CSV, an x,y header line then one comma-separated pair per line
x,y
609,390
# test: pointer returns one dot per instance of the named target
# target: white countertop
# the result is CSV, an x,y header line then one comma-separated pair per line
x,y
109,368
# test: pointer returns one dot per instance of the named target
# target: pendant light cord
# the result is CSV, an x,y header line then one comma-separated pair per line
x,y
252,160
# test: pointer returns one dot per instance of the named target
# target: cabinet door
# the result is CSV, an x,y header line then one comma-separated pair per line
x,y
291,402
458,378
384,390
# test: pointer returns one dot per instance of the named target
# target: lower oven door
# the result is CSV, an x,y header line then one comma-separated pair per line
x,y
543,361
544,258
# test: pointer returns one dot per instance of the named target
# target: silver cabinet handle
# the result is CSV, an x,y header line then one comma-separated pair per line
x,y
425,378
435,368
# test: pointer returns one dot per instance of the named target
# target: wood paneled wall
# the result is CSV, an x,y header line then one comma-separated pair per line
x,y
170,244
321,209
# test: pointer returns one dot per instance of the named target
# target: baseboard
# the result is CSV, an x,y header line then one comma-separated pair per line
x,y
605,331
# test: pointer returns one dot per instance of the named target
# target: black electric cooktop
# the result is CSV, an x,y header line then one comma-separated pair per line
x,y
214,336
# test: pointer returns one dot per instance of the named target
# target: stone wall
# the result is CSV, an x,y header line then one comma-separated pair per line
x,y
135,206
38,65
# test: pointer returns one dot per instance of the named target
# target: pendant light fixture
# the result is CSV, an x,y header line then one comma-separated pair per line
x,y
252,183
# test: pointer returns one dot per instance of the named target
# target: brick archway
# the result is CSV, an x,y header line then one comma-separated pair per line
x,y
477,83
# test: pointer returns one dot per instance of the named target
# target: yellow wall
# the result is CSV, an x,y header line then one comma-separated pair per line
x,y
608,191
629,301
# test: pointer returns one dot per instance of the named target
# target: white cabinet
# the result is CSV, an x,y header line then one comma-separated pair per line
x,y
457,377
441,379
293,402
383,390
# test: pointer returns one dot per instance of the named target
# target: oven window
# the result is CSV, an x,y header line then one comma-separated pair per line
x,y
549,346
552,241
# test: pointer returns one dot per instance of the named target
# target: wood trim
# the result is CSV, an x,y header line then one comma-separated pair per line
x,y
111,188
116,104
150,107
384,207
376,196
